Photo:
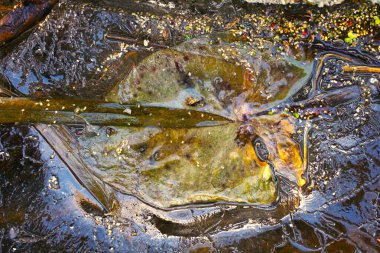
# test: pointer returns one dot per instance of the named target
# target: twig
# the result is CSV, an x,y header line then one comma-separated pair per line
x,y
361,69
133,41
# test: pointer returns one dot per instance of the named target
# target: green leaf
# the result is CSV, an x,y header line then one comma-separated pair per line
x,y
352,35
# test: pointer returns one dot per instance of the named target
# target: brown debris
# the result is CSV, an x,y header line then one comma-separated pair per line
x,y
245,134
192,101
22,17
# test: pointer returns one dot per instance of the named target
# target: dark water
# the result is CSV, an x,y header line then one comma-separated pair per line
x,y
45,207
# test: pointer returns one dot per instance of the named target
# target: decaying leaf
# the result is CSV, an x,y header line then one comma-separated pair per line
x,y
171,167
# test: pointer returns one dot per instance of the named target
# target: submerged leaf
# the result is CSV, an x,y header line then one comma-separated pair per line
x,y
171,167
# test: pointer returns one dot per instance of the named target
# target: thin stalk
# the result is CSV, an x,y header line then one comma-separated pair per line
x,y
133,41
67,111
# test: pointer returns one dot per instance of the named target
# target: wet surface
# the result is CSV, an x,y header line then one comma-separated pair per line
x,y
310,166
